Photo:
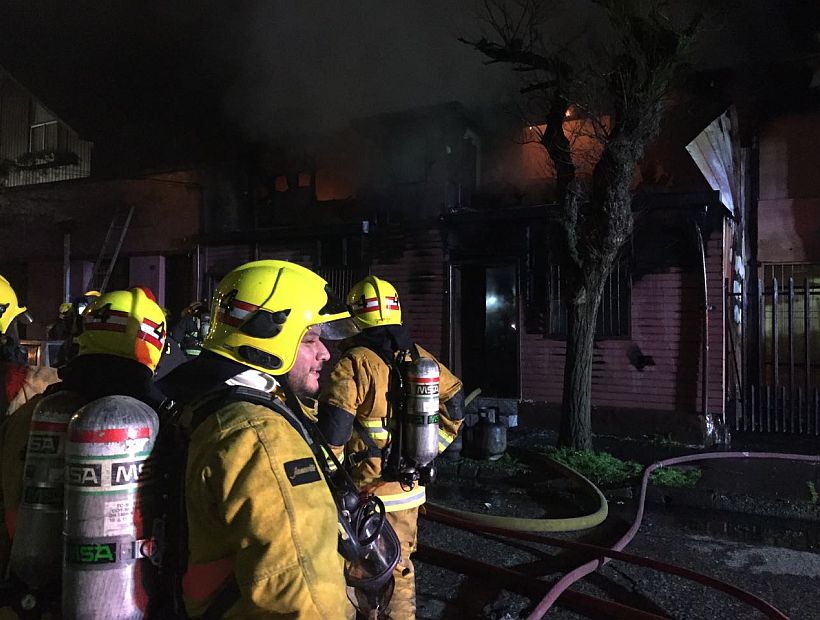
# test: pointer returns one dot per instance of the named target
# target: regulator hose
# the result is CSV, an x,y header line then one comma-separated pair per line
x,y
522,524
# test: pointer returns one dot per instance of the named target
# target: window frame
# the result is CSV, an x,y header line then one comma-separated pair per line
x,y
555,326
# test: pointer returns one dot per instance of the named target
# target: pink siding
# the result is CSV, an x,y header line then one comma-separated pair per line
x,y
420,277
789,204
666,325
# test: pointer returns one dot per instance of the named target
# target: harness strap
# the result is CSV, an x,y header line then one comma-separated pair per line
x,y
372,450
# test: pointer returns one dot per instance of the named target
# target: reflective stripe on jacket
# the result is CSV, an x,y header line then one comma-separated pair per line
x,y
259,507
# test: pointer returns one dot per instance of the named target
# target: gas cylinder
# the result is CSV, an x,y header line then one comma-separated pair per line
x,y
37,549
491,436
109,441
421,415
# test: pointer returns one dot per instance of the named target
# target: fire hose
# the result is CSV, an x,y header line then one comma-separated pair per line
x,y
521,524
479,522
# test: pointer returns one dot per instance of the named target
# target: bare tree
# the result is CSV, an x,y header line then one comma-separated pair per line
x,y
604,68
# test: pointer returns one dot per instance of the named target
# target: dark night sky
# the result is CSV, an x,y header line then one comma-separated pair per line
x,y
266,66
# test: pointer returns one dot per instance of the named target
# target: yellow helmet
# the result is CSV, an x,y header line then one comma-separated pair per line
x,y
9,308
65,309
124,323
374,302
262,310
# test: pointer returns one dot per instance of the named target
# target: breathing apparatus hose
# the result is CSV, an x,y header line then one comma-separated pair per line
x,y
522,524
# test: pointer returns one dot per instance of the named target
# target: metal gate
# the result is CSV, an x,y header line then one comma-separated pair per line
x,y
774,355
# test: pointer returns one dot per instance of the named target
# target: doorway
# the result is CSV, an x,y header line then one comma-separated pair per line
x,y
486,325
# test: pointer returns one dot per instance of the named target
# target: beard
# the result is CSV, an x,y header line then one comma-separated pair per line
x,y
299,386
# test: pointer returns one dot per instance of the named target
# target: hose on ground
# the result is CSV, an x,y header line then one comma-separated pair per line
x,y
567,580
522,524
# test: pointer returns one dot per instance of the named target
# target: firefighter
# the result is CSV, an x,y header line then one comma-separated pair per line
x,y
61,328
73,321
119,347
192,328
357,397
10,310
20,382
262,523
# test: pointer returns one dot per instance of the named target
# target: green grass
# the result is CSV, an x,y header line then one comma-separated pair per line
x,y
506,463
675,477
603,469
813,494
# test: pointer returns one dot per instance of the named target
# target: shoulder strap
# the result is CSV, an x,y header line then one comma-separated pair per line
x,y
372,449
238,393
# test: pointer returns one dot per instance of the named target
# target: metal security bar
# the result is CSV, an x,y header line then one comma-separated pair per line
x,y
780,392
342,279
614,313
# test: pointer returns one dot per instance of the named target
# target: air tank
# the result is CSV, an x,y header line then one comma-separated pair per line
x,y
37,548
420,441
106,557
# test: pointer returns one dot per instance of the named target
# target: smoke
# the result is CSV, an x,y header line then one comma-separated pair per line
x,y
299,66
311,66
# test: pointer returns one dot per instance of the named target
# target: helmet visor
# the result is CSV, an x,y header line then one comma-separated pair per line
x,y
340,329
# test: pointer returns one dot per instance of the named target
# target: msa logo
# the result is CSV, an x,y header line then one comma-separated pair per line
x,y
127,473
91,553
43,444
85,475
427,390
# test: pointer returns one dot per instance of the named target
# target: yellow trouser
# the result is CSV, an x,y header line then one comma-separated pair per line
x,y
403,604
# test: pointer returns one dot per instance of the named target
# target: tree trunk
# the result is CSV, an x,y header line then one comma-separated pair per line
x,y
576,414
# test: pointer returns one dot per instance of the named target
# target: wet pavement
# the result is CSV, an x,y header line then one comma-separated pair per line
x,y
786,577
766,542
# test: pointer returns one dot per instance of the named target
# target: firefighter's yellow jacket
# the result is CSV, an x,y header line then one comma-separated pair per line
x,y
358,388
259,508
13,440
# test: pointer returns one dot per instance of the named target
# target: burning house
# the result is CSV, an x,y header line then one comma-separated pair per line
x,y
454,207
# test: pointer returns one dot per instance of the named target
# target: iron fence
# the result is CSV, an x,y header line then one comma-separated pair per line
x,y
774,357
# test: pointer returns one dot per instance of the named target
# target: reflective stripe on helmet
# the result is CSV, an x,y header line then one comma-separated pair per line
x,y
371,304
363,305
152,333
236,312
112,321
